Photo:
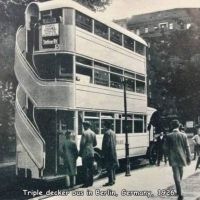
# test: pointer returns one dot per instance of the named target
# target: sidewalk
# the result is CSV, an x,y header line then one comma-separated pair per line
x,y
144,181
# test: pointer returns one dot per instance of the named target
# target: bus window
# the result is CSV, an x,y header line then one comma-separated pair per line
x,y
115,36
83,74
101,74
130,84
118,125
83,21
51,16
116,70
128,43
116,81
45,66
83,60
129,74
129,124
140,87
101,77
100,29
116,78
65,66
145,124
138,123
140,77
140,48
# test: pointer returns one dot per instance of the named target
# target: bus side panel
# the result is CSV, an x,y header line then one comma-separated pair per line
x,y
138,144
108,99
103,50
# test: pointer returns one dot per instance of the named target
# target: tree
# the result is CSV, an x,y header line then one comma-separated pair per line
x,y
174,70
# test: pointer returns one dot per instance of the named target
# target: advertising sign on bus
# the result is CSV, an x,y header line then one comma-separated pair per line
x,y
49,30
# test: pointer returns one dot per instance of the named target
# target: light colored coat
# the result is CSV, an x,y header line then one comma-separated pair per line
x,y
178,148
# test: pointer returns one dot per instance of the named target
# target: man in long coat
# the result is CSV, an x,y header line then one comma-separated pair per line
x,y
70,155
87,144
109,153
178,154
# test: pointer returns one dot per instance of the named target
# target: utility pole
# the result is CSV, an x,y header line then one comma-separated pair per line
x,y
126,132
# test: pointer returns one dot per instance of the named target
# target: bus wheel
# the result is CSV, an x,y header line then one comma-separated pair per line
x,y
152,154
97,167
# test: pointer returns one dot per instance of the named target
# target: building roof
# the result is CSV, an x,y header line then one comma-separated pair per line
x,y
162,15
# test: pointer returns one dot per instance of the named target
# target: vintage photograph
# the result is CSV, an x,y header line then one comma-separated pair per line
x,y
99,99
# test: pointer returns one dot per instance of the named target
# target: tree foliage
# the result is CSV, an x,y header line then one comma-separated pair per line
x,y
175,70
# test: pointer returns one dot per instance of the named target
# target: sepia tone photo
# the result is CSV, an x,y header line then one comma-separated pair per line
x,y
99,99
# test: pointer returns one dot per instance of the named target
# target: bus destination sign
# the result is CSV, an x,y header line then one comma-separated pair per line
x,y
49,30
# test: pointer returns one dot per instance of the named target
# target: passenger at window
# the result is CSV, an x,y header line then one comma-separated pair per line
x,y
70,155
109,153
87,144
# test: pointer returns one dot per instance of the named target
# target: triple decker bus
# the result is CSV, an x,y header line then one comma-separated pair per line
x,y
70,65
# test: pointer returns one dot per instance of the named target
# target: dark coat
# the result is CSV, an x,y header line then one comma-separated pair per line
x,y
109,150
178,148
87,144
70,155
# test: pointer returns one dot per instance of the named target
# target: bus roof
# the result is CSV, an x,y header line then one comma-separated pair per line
x,y
54,4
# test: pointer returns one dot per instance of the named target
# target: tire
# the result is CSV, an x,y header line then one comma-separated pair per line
x,y
152,154
97,166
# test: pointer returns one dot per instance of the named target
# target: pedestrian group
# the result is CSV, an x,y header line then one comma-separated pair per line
x,y
174,147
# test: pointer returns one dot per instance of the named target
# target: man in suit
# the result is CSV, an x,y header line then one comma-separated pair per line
x,y
178,154
109,153
87,144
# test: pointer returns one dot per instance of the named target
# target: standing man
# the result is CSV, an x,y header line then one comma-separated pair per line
x,y
109,153
70,155
87,144
178,153
196,140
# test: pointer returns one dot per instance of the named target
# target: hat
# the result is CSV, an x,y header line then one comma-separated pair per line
x,y
87,123
108,124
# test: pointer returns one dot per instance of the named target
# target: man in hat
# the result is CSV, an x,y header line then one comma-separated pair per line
x,y
87,144
178,154
109,152
70,155
196,140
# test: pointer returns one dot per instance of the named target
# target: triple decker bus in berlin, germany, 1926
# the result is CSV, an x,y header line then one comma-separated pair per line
x,y
70,66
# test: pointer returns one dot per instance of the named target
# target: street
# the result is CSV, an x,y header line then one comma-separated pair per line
x,y
149,182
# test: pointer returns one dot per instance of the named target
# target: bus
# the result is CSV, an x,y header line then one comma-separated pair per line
x,y
70,65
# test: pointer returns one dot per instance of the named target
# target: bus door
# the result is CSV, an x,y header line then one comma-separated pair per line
x,y
52,125
65,123
46,121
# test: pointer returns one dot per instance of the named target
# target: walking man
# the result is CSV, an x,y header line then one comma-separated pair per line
x,y
109,153
178,154
87,144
